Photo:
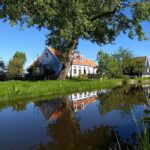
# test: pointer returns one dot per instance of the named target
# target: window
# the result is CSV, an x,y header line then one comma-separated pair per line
x,y
75,70
80,95
75,96
85,70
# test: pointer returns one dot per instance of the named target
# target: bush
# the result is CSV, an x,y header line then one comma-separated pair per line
x,y
83,76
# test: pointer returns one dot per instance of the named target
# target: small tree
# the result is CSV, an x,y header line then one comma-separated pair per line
x,y
16,64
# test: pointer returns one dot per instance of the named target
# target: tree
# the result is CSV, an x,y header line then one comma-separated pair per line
x,y
21,57
103,60
122,98
15,66
125,57
68,21
108,65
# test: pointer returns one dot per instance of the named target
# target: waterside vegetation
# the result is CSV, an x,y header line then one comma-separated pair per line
x,y
13,90
20,90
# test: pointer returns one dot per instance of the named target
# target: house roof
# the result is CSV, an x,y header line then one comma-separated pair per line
x,y
80,60
55,115
51,50
86,101
141,59
35,61
55,52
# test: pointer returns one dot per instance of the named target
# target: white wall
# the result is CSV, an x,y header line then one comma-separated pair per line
x,y
88,70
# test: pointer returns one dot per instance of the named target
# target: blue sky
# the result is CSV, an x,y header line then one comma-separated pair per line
x,y
32,42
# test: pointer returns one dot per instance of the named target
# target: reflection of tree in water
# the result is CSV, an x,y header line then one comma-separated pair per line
x,y
66,134
17,106
122,98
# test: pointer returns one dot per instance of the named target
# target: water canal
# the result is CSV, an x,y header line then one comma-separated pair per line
x,y
81,121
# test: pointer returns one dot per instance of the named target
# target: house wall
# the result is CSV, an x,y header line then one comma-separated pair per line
x,y
147,66
47,58
147,72
81,70
50,61
145,75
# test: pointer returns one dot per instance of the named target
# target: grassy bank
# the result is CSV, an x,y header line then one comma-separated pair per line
x,y
13,90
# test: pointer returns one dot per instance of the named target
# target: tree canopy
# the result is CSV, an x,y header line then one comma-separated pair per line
x,y
15,65
108,65
99,21
120,63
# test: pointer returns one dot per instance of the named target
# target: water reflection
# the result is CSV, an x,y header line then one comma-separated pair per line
x,y
66,131
122,98
87,120
70,132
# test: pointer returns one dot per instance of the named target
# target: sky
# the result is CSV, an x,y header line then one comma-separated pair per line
x,y
32,42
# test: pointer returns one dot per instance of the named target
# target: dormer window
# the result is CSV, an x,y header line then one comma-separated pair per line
x,y
81,59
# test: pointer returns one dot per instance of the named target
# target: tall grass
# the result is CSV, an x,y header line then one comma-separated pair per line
x,y
12,90
142,136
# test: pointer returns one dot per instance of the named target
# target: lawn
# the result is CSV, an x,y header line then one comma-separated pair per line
x,y
13,90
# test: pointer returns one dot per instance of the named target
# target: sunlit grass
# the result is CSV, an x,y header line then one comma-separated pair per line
x,y
11,90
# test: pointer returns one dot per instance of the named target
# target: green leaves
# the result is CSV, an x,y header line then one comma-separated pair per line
x,y
15,65
115,65
96,20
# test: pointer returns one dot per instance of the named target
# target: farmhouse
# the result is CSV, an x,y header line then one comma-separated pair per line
x,y
81,65
48,63
143,67
139,68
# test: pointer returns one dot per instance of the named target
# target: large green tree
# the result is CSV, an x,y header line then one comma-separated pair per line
x,y
125,58
68,21
16,64
108,65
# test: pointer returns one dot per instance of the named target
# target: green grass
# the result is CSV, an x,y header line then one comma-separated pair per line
x,y
16,90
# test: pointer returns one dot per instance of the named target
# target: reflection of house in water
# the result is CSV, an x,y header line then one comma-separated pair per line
x,y
53,109
81,100
50,109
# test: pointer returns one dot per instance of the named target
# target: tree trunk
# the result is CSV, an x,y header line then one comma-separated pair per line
x,y
68,57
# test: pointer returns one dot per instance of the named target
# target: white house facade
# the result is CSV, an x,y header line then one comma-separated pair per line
x,y
146,64
81,65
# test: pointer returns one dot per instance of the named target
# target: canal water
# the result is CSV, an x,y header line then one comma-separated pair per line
x,y
80,121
